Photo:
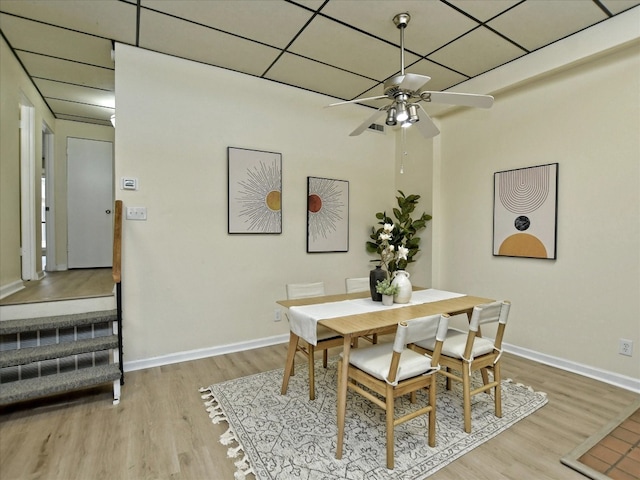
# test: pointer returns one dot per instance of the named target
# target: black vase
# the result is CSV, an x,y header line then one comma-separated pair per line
x,y
376,275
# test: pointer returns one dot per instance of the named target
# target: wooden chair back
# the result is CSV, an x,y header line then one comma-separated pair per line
x,y
357,284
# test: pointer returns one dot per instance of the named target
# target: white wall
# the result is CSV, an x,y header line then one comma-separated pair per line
x,y
586,118
187,284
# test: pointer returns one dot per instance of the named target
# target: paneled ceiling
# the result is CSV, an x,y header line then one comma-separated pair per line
x,y
341,48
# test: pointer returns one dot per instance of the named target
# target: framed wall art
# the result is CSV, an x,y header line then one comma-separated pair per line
x,y
255,191
525,210
327,215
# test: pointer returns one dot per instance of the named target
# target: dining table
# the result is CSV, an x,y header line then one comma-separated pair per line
x,y
353,315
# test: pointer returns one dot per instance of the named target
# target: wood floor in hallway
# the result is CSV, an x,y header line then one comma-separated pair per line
x,y
64,285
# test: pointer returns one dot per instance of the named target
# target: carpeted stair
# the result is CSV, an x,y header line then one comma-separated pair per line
x,y
50,355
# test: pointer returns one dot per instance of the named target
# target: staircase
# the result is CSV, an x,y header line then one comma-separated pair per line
x,y
55,347
53,354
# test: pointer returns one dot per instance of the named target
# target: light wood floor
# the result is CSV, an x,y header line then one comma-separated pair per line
x,y
64,285
160,430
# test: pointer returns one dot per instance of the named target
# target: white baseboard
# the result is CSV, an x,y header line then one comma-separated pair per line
x,y
203,353
11,288
622,381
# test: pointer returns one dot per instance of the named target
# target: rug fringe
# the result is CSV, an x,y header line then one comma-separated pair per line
x,y
217,415
242,474
528,387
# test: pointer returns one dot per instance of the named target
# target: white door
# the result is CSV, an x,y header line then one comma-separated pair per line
x,y
89,203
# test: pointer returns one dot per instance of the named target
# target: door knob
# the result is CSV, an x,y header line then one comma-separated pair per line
x,y
108,212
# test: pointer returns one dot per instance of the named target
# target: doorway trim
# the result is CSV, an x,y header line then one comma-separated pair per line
x,y
50,215
27,189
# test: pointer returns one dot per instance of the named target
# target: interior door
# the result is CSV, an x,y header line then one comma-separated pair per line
x,y
89,203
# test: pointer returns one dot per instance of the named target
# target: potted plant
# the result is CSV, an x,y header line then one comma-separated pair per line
x,y
396,241
402,232
387,290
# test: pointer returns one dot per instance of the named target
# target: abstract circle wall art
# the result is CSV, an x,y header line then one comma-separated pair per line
x,y
255,191
525,209
327,215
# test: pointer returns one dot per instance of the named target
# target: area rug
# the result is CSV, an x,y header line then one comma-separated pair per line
x,y
281,437
594,457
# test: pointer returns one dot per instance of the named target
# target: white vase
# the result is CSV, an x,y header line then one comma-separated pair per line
x,y
387,300
401,279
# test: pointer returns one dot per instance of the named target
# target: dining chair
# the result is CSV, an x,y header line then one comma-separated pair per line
x,y
326,338
357,284
468,351
385,371
360,284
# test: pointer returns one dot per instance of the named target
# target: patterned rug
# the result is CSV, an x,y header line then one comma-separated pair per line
x,y
288,436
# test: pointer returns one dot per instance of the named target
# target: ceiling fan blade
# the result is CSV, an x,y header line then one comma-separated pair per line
x,y
463,99
413,82
355,101
425,125
364,125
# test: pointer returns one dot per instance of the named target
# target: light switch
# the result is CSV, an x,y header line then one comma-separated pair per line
x,y
136,213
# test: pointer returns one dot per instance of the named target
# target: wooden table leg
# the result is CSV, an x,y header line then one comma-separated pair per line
x,y
291,354
343,377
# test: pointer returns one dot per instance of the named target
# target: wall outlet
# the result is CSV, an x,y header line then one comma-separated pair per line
x,y
277,315
625,347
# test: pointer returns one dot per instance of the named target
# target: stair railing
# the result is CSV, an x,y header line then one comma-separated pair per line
x,y
117,278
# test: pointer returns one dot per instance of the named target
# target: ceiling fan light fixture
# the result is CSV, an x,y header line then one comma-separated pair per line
x,y
413,114
402,114
391,117
404,91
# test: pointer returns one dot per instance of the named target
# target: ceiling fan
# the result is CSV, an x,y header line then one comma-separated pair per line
x,y
406,91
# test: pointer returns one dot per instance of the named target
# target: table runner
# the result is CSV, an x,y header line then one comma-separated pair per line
x,y
304,320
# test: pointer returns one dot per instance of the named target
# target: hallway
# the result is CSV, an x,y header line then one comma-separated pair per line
x,y
65,285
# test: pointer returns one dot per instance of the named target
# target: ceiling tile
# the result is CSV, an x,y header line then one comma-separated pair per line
x,y
441,77
312,4
65,71
329,42
432,24
80,109
546,21
76,93
245,18
56,42
317,77
212,47
105,18
477,52
485,9
617,6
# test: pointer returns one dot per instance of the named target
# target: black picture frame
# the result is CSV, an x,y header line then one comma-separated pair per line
x,y
525,212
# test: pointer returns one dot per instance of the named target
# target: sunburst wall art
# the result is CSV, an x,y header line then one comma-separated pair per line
x,y
255,190
327,215
525,208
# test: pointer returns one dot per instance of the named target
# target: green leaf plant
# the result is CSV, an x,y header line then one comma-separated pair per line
x,y
396,241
